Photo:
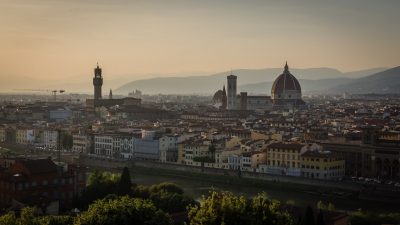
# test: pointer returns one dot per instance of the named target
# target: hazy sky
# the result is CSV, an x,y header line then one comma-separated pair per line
x,y
65,38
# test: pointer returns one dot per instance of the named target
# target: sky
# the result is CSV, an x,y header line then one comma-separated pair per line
x,y
132,39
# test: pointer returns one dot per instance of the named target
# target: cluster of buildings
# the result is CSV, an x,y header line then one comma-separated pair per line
x,y
327,138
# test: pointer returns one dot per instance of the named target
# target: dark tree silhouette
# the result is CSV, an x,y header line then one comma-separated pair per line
x,y
124,186
308,217
320,218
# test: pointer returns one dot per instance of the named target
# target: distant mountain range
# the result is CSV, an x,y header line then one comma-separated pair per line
x,y
384,82
253,81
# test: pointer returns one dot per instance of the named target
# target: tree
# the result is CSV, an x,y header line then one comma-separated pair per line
x,y
27,216
167,196
226,208
320,218
266,211
167,187
99,186
123,211
219,208
321,205
8,219
124,186
171,202
54,220
331,207
309,217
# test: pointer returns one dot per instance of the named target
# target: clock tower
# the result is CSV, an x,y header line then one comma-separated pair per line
x,y
97,82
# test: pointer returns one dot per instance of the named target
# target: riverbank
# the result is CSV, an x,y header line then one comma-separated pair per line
x,y
197,184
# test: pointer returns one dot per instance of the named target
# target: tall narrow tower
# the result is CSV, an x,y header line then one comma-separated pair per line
x,y
97,82
232,98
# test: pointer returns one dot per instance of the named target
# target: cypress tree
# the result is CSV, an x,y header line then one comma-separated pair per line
x,y
320,218
124,186
309,217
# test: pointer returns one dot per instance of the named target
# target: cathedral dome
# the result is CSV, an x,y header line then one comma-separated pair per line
x,y
220,99
286,89
285,82
218,96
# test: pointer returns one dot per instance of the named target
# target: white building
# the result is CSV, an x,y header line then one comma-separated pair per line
x,y
114,145
103,145
234,161
50,139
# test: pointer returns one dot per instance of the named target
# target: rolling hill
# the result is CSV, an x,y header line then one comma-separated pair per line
x,y
251,80
384,82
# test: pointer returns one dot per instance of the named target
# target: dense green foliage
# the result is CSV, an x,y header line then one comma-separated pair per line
x,y
329,206
226,208
28,217
123,211
112,199
166,196
99,185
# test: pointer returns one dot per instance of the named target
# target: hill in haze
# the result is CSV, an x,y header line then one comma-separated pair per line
x,y
251,80
384,82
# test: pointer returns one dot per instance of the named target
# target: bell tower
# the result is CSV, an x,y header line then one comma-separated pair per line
x,y
97,82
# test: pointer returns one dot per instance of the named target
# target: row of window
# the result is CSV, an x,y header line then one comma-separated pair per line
x,y
286,163
317,159
288,157
283,150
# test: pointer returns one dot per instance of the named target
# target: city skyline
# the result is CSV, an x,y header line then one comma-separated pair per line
x,y
137,40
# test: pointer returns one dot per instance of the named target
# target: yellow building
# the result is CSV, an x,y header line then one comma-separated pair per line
x,y
24,135
195,151
181,153
320,164
284,158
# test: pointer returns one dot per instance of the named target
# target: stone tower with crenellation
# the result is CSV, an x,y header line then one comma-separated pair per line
x,y
97,82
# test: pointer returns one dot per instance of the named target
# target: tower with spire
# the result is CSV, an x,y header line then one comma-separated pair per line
x,y
110,95
97,82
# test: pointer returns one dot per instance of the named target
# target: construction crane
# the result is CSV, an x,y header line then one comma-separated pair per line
x,y
54,92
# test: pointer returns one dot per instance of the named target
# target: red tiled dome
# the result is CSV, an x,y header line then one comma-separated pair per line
x,y
285,82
